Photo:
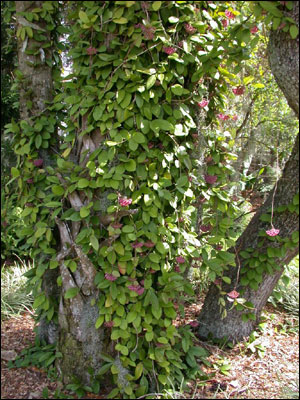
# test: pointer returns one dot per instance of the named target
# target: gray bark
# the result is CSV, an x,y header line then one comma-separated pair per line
x,y
284,62
37,86
232,326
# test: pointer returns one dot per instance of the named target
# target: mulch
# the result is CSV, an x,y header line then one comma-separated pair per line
x,y
250,377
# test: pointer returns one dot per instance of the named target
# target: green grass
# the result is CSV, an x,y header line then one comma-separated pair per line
x,y
15,298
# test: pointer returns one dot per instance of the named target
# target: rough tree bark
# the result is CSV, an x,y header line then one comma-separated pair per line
x,y
37,86
284,62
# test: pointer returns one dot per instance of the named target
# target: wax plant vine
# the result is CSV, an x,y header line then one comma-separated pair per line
x,y
115,186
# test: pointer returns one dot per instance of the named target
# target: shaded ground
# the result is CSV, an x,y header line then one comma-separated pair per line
x,y
270,374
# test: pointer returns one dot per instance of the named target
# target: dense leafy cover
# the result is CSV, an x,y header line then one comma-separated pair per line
x,y
130,172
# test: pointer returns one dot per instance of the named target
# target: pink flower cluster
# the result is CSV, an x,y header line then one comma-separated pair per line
x,y
110,277
116,225
148,31
136,288
233,294
203,103
91,51
210,179
180,260
149,244
223,117
123,201
273,232
254,29
229,14
189,29
224,23
206,228
38,163
194,324
137,245
169,50
239,90
109,324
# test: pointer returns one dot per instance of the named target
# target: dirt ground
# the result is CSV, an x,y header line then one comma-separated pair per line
x,y
271,375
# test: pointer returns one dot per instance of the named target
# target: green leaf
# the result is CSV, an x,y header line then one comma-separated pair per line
x,y
150,81
161,124
130,165
58,190
94,242
162,379
139,137
156,5
138,370
84,212
38,141
72,292
14,172
294,31
119,248
226,279
83,183
121,20
83,17
177,89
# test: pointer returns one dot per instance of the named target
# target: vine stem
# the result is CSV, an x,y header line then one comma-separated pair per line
x,y
275,187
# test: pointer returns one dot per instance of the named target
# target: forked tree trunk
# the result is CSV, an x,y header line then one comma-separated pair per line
x,y
284,62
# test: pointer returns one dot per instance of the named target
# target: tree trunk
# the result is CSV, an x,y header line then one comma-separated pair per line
x,y
287,222
36,88
284,61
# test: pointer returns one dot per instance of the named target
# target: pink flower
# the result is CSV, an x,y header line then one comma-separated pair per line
x,y
169,50
205,228
223,117
149,244
254,29
210,179
177,268
219,247
140,290
123,201
30,180
234,117
224,22
203,103
194,324
239,90
273,232
180,260
180,44
136,288
218,281
136,245
229,14
91,51
190,178
110,277
116,225
189,29
233,294
109,324
38,162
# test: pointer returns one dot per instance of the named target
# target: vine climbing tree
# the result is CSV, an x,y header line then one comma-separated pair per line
x,y
114,163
